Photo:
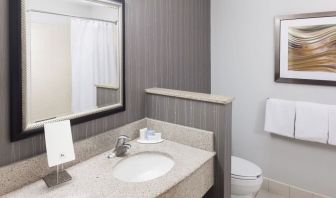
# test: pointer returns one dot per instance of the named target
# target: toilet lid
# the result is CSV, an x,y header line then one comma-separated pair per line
x,y
242,168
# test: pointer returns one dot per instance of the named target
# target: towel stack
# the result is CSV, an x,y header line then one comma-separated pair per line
x,y
332,125
280,117
301,120
311,122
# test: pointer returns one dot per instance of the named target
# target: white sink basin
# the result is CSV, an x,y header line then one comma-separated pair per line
x,y
143,167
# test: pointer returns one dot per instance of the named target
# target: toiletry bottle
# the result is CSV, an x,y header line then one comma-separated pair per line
x,y
150,134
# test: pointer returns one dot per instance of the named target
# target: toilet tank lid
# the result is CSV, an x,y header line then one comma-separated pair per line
x,y
244,168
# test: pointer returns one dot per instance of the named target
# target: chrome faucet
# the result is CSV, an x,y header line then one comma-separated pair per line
x,y
122,147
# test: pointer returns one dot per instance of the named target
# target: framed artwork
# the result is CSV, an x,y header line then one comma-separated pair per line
x,y
305,48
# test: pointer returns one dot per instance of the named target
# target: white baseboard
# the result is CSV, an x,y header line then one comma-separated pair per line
x,y
288,191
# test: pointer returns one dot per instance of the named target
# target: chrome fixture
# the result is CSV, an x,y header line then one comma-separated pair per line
x,y
121,147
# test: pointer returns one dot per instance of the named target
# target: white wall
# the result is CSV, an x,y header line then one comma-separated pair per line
x,y
50,71
243,66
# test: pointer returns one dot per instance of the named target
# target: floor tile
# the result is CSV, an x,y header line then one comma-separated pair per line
x,y
264,194
299,193
265,185
278,188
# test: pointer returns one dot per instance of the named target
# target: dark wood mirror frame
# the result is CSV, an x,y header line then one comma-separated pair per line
x,y
17,131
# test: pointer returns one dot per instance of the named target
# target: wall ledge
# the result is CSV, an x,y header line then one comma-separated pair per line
x,y
190,95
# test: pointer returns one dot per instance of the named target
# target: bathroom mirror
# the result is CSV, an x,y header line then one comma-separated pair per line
x,y
66,62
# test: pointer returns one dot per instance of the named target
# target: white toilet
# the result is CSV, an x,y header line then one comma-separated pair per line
x,y
246,178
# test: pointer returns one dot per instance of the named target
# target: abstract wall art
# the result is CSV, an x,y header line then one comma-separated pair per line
x,y
306,48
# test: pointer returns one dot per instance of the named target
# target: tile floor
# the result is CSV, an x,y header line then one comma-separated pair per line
x,y
264,194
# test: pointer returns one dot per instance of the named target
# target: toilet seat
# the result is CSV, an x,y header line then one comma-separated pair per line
x,y
242,169
243,178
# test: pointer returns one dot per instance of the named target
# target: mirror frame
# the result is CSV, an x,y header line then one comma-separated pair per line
x,y
16,54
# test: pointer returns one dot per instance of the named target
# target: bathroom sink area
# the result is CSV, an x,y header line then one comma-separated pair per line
x,y
160,170
143,167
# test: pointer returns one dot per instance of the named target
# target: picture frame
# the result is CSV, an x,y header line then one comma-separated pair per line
x,y
305,48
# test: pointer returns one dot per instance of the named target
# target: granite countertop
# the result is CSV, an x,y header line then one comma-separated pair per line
x,y
191,95
93,178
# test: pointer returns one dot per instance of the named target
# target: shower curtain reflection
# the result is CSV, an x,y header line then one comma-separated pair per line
x,y
94,61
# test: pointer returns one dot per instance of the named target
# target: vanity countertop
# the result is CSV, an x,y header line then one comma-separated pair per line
x,y
93,178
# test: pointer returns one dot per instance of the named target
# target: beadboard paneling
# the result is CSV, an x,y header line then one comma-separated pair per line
x,y
167,45
203,115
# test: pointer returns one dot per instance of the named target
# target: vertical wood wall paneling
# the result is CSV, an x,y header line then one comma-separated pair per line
x,y
202,115
160,52
106,96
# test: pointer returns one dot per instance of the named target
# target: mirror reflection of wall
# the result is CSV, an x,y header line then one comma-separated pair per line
x,y
74,63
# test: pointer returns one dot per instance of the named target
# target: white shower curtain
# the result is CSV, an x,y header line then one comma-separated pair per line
x,y
93,61
106,60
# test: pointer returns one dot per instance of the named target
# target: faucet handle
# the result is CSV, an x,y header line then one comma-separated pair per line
x,y
128,146
122,140
121,147
124,137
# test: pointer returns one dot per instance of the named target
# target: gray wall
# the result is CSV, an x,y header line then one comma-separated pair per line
x,y
203,115
167,45
107,96
243,66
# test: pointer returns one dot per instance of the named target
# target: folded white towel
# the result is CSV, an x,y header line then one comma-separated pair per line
x,y
311,122
332,125
280,117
